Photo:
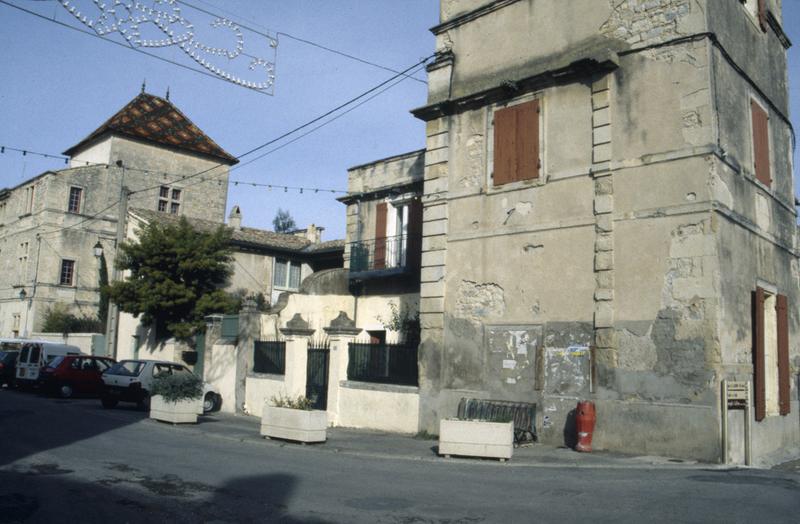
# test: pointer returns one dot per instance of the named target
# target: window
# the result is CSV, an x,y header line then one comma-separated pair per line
x,y
760,127
22,261
67,272
771,380
516,143
757,9
169,200
74,202
27,203
398,234
286,274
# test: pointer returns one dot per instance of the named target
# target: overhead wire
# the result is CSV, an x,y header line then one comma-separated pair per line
x,y
274,140
296,38
124,46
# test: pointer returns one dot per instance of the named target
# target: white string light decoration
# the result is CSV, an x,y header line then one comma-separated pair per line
x,y
126,18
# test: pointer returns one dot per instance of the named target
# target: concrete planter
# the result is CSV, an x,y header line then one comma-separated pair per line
x,y
180,412
294,424
475,438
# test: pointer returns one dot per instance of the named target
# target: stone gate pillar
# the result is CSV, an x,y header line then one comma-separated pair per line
x,y
249,332
341,332
297,335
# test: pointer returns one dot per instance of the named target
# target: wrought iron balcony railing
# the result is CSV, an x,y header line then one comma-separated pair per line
x,y
386,253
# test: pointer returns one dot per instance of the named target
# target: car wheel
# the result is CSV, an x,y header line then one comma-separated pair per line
x,y
144,402
108,402
210,402
65,391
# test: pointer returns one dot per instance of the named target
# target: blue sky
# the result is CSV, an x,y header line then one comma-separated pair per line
x,y
59,85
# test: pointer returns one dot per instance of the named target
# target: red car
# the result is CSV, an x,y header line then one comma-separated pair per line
x,y
75,375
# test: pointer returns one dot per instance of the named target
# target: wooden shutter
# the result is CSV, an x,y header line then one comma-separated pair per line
x,y
516,143
379,256
762,14
759,377
784,385
760,122
414,241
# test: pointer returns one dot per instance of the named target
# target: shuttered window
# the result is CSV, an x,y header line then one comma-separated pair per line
x,y
771,370
380,236
414,245
762,15
516,143
760,125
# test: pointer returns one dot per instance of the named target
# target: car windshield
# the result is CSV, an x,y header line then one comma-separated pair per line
x,y
55,362
128,368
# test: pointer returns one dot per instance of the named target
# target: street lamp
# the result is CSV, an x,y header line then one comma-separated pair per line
x,y
98,249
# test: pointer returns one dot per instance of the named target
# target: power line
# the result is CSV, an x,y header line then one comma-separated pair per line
x,y
124,46
284,135
298,39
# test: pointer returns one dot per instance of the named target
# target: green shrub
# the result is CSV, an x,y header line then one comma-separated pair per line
x,y
58,320
299,402
181,386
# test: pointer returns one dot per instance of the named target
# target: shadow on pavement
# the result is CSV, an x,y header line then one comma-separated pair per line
x,y
31,423
126,495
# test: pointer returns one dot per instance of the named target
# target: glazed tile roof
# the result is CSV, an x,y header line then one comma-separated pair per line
x,y
248,235
154,119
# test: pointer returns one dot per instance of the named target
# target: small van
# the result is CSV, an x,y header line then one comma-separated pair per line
x,y
35,354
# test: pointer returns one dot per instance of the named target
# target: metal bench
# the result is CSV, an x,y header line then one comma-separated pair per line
x,y
522,413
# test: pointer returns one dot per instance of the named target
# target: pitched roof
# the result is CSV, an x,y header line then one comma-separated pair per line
x,y
154,119
248,235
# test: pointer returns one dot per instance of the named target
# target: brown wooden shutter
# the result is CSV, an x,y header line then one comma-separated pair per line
x,y
784,385
762,15
414,241
759,377
516,143
379,256
760,122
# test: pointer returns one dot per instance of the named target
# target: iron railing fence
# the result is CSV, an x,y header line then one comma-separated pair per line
x,y
383,363
269,356
379,253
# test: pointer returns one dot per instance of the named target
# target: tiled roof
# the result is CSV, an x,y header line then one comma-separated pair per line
x,y
154,119
248,235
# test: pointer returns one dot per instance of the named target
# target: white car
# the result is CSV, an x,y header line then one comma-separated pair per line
x,y
131,381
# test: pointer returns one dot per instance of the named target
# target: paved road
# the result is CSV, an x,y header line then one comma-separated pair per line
x,y
72,461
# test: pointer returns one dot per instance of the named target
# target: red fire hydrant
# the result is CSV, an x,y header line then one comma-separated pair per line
x,y
584,424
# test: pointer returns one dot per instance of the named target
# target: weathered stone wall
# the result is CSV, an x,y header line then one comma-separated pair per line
x,y
624,243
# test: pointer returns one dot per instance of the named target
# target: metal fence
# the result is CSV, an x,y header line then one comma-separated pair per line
x,y
383,363
378,253
269,356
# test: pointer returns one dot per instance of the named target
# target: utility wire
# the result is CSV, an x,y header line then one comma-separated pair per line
x,y
269,142
298,39
124,46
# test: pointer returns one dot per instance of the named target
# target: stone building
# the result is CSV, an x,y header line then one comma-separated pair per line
x,y
609,214
50,224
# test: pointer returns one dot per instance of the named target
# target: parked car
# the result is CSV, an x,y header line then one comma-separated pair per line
x,y
36,354
131,381
70,375
8,364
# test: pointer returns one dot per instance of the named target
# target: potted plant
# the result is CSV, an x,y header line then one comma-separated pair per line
x,y
176,398
476,438
294,419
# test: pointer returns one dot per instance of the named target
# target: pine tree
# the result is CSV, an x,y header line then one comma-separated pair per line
x,y
283,222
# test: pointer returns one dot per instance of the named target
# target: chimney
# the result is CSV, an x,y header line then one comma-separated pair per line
x,y
314,234
235,218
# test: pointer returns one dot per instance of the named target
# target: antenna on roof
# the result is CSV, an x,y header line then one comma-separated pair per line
x,y
144,82
167,92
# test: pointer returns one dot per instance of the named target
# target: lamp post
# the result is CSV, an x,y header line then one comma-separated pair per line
x,y
22,295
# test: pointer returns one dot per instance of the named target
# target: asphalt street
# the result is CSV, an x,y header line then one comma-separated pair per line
x,y
72,461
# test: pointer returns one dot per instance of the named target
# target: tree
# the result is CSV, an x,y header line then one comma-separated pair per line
x,y
283,222
175,277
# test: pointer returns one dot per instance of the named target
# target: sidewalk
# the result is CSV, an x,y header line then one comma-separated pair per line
x,y
376,444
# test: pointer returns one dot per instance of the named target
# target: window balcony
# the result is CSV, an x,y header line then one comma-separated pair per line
x,y
384,256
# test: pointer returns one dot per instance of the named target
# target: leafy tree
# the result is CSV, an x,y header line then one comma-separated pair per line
x,y
283,222
102,310
175,277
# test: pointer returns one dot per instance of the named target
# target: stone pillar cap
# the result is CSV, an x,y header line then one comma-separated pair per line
x,y
342,325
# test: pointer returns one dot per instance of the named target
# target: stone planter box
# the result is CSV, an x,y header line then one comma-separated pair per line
x,y
475,438
294,424
181,412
